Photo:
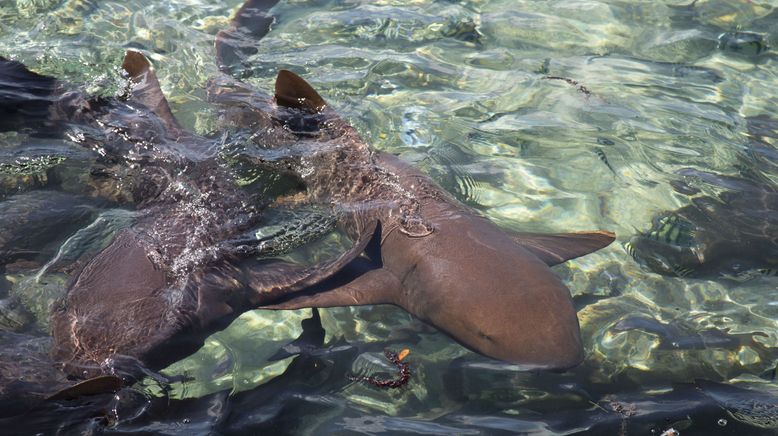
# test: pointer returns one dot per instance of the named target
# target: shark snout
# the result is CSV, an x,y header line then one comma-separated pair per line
x,y
509,308
546,341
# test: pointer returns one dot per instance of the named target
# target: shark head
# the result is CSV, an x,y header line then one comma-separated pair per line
x,y
493,296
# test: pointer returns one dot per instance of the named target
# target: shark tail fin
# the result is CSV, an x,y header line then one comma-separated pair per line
x,y
249,25
377,286
98,385
25,97
556,248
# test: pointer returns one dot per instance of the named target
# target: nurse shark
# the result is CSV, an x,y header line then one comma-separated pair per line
x,y
173,276
489,289
184,268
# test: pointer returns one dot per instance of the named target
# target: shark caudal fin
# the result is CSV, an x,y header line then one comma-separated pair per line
x,y
377,286
249,25
273,281
146,89
25,97
556,248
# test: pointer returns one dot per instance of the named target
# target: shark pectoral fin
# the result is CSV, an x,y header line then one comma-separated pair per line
x,y
146,89
556,248
98,385
252,20
271,282
294,92
377,286
300,225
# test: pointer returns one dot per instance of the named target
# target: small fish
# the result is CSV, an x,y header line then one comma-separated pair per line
x,y
748,44
673,230
464,29
728,236
601,154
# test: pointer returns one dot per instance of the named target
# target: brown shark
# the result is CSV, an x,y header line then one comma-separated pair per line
x,y
173,276
491,290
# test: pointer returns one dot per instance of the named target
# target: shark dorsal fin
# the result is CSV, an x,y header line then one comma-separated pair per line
x,y
294,92
146,89
556,248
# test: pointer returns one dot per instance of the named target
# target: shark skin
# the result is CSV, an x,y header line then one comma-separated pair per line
x,y
490,290
173,277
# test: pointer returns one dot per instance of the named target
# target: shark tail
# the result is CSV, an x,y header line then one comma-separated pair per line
x,y
25,97
250,23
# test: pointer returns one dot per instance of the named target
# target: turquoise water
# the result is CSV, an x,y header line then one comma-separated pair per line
x,y
461,90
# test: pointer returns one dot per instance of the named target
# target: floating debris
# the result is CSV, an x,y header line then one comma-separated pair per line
x,y
397,360
626,411
582,89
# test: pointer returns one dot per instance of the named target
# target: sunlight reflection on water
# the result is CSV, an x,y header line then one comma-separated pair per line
x,y
426,78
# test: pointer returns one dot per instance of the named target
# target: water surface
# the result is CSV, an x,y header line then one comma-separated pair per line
x,y
462,91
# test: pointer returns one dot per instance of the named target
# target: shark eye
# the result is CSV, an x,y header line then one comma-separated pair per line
x,y
485,336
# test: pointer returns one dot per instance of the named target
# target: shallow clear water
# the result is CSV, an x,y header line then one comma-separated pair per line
x,y
462,91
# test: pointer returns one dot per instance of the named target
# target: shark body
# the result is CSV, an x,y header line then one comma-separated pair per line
x,y
490,290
